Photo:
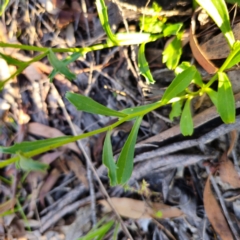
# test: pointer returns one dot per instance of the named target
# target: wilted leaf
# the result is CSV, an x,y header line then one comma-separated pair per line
x,y
214,213
87,104
108,160
226,102
125,160
143,65
186,122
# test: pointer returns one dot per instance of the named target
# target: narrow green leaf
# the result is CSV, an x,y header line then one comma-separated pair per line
x,y
3,6
143,65
186,122
125,160
72,58
60,66
12,61
176,110
172,53
28,164
213,96
218,11
233,58
181,67
108,160
171,29
97,232
179,83
103,16
140,109
133,38
226,103
30,146
87,104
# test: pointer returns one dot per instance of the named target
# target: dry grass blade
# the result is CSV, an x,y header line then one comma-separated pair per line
x,y
214,213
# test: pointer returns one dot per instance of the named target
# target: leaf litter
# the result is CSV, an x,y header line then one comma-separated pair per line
x,y
178,188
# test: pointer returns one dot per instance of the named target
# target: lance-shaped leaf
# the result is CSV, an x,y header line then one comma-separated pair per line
x,y
186,122
27,164
87,104
108,160
173,52
172,29
143,65
218,11
31,146
233,58
226,103
213,96
125,160
103,16
59,65
73,57
180,83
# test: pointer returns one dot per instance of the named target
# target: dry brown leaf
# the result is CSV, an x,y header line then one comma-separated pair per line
x,y
48,184
228,173
77,167
217,47
49,132
48,158
214,213
198,54
136,209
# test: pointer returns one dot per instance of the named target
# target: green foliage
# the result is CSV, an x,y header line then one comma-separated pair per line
x,y
27,164
176,110
176,94
86,104
186,122
125,160
173,52
3,6
98,232
108,160
225,100
59,66
218,11
143,65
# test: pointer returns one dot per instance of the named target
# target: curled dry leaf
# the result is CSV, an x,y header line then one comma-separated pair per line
x,y
198,54
214,213
49,132
136,209
228,174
